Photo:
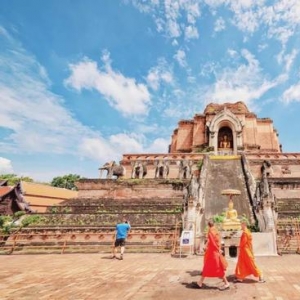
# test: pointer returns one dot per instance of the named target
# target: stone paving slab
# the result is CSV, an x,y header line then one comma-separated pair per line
x,y
137,277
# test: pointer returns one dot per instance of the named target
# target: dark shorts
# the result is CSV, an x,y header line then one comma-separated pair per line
x,y
120,242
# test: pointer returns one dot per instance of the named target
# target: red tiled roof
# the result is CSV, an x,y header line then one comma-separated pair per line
x,y
4,190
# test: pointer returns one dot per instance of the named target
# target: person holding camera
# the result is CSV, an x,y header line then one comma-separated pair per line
x,y
122,230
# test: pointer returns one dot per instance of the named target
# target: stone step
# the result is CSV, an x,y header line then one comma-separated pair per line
x,y
109,218
125,201
126,208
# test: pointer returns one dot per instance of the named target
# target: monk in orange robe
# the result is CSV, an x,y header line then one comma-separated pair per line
x,y
246,265
214,262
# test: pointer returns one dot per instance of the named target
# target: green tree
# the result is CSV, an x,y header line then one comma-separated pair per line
x,y
66,181
13,179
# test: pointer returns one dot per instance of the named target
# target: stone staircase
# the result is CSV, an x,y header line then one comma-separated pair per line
x,y
225,173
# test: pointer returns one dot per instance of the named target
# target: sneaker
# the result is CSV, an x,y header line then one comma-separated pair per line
x,y
224,287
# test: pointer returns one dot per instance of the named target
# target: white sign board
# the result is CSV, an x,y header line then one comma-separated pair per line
x,y
187,238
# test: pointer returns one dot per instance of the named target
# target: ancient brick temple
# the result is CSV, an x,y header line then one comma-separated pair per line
x,y
226,147
225,128
229,147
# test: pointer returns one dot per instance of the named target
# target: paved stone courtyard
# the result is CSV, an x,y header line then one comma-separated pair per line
x,y
137,277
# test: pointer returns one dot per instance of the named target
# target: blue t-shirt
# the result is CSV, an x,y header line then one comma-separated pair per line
x,y
122,230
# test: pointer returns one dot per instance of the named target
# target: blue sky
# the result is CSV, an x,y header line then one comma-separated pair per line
x,y
83,81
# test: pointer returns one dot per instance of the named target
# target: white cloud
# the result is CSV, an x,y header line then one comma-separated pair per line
x,y
145,128
173,28
281,18
124,94
219,24
245,83
181,58
261,47
209,68
191,32
281,33
6,166
37,120
232,53
292,94
98,149
287,59
159,145
117,145
175,43
128,143
172,17
160,74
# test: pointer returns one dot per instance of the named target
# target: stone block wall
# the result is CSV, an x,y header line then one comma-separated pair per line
x,y
118,189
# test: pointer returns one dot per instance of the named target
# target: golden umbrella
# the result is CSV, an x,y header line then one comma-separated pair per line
x,y
230,193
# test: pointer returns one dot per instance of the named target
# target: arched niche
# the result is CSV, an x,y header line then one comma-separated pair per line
x,y
225,138
225,121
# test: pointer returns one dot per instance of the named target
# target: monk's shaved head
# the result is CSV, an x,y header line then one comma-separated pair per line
x,y
210,223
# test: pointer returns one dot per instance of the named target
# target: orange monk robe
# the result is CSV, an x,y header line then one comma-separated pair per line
x,y
246,265
214,263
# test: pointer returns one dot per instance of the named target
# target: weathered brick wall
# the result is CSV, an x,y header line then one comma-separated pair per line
x,y
250,132
173,145
199,131
118,189
266,136
185,136
283,165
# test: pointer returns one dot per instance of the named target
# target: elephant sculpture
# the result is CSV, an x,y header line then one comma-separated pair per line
x,y
113,169
139,169
185,169
161,169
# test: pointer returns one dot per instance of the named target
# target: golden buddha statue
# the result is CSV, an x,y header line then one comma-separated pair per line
x,y
225,143
231,221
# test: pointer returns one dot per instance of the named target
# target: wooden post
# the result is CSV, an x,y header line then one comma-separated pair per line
x,y
113,243
14,244
174,239
64,245
297,236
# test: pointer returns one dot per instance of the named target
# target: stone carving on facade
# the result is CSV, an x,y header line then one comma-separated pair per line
x,y
139,169
113,169
13,200
264,184
192,207
185,169
161,169
20,199
194,202
264,200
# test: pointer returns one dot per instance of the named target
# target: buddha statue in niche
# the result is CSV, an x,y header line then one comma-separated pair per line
x,y
225,143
